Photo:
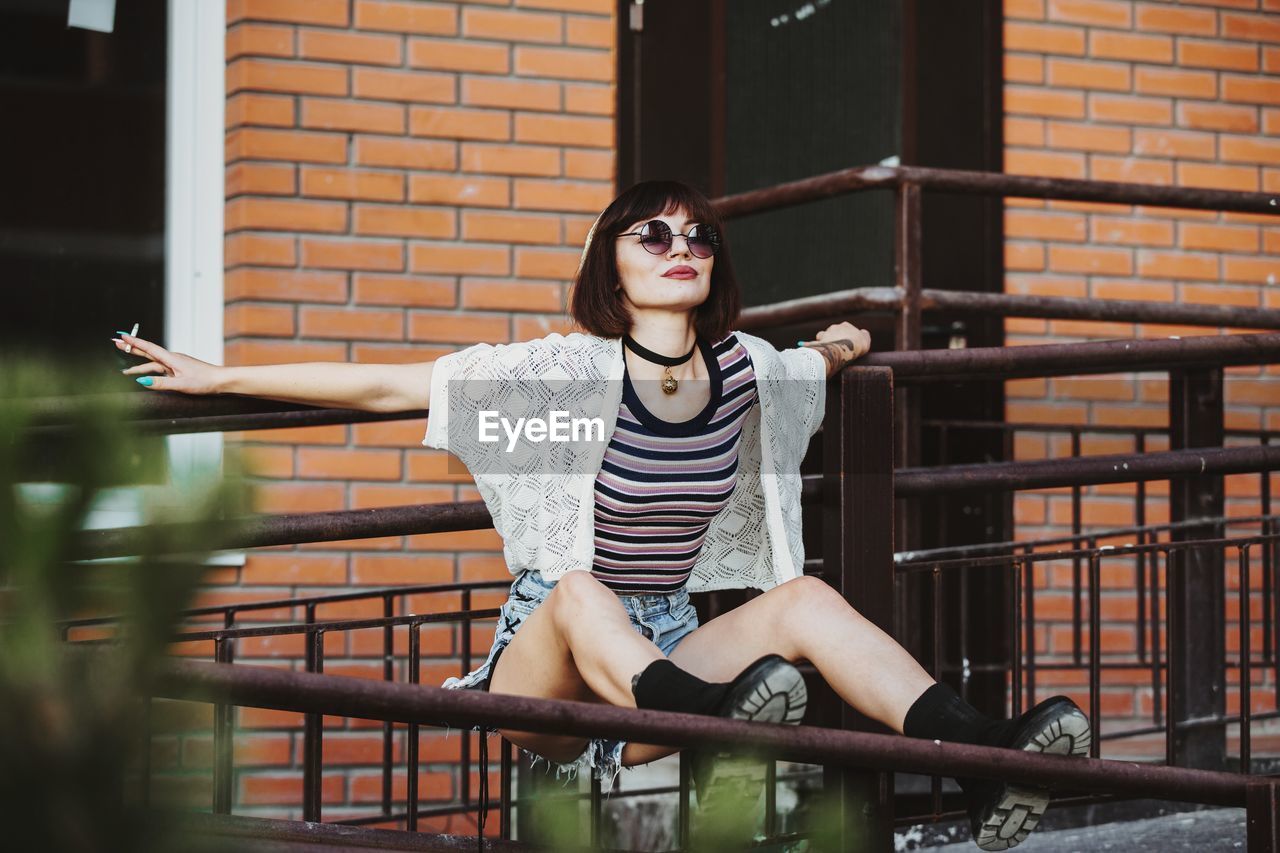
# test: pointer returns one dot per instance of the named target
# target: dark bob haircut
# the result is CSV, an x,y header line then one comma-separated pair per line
x,y
594,302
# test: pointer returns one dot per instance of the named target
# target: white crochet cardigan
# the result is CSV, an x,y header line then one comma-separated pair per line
x,y
547,521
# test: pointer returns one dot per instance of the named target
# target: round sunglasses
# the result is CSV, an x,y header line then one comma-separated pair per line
x,y
656,237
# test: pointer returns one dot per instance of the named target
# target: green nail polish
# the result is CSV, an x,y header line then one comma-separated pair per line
x,y
799,343
145,380
118,332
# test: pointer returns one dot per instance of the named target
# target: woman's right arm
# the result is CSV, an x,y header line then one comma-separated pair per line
x,y
367,387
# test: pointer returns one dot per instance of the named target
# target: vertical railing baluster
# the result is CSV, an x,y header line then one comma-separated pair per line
x,y
465,644
1266,562
1029,616
504,788
1077,617
1262,816
1015,595
935,781
1173,680
1095,649
1246,673
388,674
411,745
1140,517
223,735
597,812
1157,712
313,726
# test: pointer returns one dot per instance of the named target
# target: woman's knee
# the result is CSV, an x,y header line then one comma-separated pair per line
x,y
573,593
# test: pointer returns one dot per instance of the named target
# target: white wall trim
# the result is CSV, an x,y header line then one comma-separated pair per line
x,y
195,182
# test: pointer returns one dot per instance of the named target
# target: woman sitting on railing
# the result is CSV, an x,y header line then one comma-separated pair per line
x,y
691,483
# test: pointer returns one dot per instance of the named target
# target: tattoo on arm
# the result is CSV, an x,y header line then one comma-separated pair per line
x,y
836,354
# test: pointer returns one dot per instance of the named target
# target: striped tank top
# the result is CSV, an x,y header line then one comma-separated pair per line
x,y
662,482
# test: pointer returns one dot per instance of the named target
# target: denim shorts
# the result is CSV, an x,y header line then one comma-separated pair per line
x,y
666,619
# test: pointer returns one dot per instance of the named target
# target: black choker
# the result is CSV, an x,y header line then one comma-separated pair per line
x,y
669,383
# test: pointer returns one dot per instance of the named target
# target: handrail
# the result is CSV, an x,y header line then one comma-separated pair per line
x,y
827,306
264,687
859,178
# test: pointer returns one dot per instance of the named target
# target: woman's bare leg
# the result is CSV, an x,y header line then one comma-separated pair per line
x,y
803,619
578,644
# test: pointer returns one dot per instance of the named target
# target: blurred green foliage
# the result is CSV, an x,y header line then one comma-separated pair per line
x,y
73,716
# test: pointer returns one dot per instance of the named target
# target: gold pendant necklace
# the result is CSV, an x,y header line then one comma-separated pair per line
x,y
669,383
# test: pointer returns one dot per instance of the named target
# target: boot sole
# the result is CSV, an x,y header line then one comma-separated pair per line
x,y
1017,809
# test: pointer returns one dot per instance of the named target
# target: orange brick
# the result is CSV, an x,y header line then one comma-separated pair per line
x,y
1250,27
546,263
354,48
510,94
1040,285
464,260
1050,164
259,40
1220,294
261,179
459,123
371,353
1090,260
511,26
401,221
470,190
1134,47
449,327
405,153
1215,54
1134,232
260,250
1258,270
564,63
530,326
289,568
1271,59
1087,137
1097,13
370,497
589,32
1127,109
352,184
587,98
242,319
1250,90
318,463
435,466
293,145
1072,388
414,86
405,17
447,55
418,291
1179,84
265,75
500,295
564,130
391,434
286,790
331,13
377,255
1132,170
333,435
1044,38
597,165
1250,150
1035,101
1218,238
267,462
1043,226
1153,17
1177,265
352,323
510,159
596,7
326,114
1023,68
1032,10
510,227
1147,291
285,215
1218,117
1024,131
1214,176
284,286
1174,143
297,497
247,108
534,194
1017,256
1089,74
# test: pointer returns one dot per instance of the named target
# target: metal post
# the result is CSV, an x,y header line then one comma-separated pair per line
x,y
907,273
313,730
1197,652
223,734
858,549
1262,814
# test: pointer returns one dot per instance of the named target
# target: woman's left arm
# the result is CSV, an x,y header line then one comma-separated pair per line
x,y
839,344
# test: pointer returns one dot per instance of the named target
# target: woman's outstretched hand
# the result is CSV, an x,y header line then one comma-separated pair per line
x,y
840,343
169,371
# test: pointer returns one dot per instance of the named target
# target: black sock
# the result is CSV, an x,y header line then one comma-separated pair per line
x,y
663,686
940,714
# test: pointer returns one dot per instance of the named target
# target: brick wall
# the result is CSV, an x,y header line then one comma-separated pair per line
x,y
403,179
1183,94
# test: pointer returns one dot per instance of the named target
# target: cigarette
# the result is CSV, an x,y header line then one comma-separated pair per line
x,y
128,348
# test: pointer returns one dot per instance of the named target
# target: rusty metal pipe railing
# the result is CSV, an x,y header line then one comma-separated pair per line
x,y
828,306
860,178
378,700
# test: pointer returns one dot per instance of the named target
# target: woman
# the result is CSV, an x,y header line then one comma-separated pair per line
x,y
692,485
